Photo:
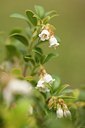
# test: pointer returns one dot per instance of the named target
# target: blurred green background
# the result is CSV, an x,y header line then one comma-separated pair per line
x,y
70,27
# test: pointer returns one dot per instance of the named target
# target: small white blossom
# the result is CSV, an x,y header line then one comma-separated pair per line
x,y
67,113
53,41
16,86
44,35
40,83
59,113
48,78
41,86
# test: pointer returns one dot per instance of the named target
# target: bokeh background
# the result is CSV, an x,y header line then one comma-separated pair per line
x,y
70,27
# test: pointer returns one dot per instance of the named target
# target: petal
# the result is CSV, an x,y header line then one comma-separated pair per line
x,y
59,113
48,78
53,41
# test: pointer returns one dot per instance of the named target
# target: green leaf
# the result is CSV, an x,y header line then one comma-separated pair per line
x,y
38,50
46,19
49,57
12,51
39,11
61,88
51,13
21,38
27,58
56,83
16,30
19,16
67,97
30,15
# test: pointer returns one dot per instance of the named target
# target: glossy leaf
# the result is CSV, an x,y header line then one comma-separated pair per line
x,y
16,30
51,13
19,16
56,83
38,50
30,15
46,19
27,58
61,88
39,11
21,38
48,57
67,97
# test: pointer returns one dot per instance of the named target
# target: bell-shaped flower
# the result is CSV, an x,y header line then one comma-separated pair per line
x,y
59,113
40,83
48,78
67,113
53,42
41,86
44,35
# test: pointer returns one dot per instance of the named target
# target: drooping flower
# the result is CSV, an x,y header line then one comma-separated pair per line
x,y
42,86
67,113
40,83
53,42
45,80
59,113
48,78
44,35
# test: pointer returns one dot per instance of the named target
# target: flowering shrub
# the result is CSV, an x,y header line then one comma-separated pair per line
x,y
30,96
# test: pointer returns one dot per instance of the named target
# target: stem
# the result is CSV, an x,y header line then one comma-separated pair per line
x,y
25,70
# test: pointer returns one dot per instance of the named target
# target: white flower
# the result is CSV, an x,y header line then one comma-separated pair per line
x,y
44,35
16,86
53,41
48,78
67,113
40,83
59,113
41,86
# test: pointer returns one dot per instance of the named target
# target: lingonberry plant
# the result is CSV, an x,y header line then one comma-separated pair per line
x,y
31,96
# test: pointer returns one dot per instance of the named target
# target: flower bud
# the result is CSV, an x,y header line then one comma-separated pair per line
x,y
67,113
59,113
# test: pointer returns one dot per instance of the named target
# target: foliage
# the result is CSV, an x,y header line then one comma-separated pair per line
x,y
25,60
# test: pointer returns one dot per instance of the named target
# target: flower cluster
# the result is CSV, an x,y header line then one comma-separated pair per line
x,y
60,107
48,34
45,81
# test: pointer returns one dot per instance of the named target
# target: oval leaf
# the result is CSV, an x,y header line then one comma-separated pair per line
x,y
21,38
39,11
49,57
38,50
19,16
61,88
30,16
